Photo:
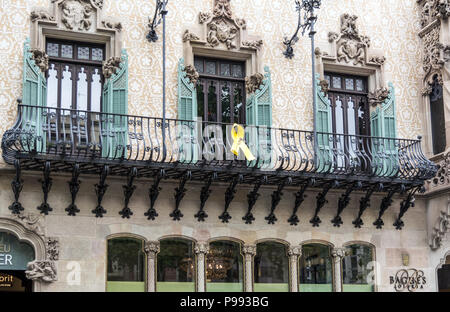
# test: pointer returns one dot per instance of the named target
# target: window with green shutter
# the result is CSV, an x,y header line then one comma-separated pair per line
x,y
324,128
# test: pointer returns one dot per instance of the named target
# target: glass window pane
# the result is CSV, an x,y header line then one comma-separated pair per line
x,y
53,49
126,260
337,83
316,268
82,90
198,63
66,88
238,71
224,267
200,100
225,69
52,86
271,263
211,68
349,84
238,103
97,54
225,98
356,266
328,78
83,53
212,103
96,90
66,51
359,85
176,261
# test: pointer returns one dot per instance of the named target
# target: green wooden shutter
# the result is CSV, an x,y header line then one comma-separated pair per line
x,y
34,94
259,113
187,127
115,101
384,132
324,128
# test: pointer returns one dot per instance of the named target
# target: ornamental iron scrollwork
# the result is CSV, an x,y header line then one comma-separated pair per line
x,y
229,196
343,202
74,186
100,190
201,215
17,186
300,197
252,197
128,191
154,191
321,201
180,192
46,182
386,203
405,205
276,198
364,203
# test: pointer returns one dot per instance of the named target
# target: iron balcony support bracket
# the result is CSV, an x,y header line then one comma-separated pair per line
x,y
364,203
17,186
204,195
276,198
405,205
300,197
100,190
386,203
151,213
74,186
343,202
229,196
128,191
47,182
252,197
321,201
180,191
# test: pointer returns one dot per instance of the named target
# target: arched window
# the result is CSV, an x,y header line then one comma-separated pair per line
x,y
358,269
444,276
437,117
176,266
224,267
316,273
126,265
271,268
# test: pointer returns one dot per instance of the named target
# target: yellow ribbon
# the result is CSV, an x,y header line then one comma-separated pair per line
x,y
238,133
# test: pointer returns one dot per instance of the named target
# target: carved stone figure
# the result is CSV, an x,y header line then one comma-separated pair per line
x,y
112,25
40,58
325,86
379,60
204,17
44,271
188,36
241,23
351,50
77,15
252,83
255,44
378,96
52,248
222,8
41,14
192,74
111,66
348,26
32,222
221,31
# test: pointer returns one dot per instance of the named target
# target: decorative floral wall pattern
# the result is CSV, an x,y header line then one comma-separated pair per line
x,y
391,25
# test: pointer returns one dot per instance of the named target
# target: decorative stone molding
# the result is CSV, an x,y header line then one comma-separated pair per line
x,y
441,228
294,252
378,96
219,31
337,254
110,24
41,14
249,252
201,249
442,178
152,248
253,82
433,54
42,271
40,58
432,10
111,66
77,15
32,222
52,249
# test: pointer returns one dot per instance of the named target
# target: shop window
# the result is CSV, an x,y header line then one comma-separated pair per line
x,y
444,276
126,265
316,273
224,267
437,117
176,266
271,269
357,269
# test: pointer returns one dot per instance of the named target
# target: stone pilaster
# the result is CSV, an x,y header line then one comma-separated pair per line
x,y
249,254
151,249
201,249
337,254
294,254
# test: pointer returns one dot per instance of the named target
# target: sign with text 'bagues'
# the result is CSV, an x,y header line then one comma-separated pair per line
x,y
14,254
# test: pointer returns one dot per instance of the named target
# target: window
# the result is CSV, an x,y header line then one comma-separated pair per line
x,y
444,276
74,77
271,268
349,104
176,266
221,90
126,265
437,117
357,268
224,267
316,273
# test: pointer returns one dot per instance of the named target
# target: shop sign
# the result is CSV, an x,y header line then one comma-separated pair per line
x,y
408,280
6,280
14,255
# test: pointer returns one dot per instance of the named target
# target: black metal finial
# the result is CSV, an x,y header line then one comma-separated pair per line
x,y
307,23
160,12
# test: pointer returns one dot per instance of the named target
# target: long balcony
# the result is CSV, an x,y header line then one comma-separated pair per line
x,y
45,138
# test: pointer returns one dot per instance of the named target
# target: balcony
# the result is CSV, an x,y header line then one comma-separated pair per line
x,y
52,139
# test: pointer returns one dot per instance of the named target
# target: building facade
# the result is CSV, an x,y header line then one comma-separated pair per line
x,y
244,184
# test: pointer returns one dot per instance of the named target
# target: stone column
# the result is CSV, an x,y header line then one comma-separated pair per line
x,y
249,254
337,254
201,249
294,254
151,249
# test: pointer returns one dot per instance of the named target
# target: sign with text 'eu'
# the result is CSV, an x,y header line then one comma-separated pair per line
x,y
14,255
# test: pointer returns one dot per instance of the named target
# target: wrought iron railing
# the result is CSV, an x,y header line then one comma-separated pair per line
x,y
82,136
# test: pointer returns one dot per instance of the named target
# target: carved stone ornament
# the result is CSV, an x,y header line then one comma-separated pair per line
x,y
201,248
249,250
255,44
324,86
378,96
32,222
443,175
252,83
110,24
433,54
221,31
111,66
222,8
338,254
432,10
52,249
441,228
192,74
77,14
351,46
43,271
188,36
41,59
295,251
42,15
152,248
